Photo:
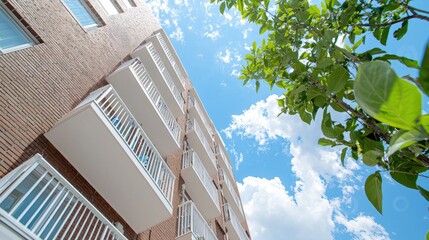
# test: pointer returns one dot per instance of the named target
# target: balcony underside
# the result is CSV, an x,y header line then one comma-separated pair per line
x,y
232,232
199,194
194,114
143,109
144,55
229,197
91,144
196,143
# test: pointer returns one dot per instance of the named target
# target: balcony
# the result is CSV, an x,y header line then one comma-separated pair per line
x,y
168,55
200,186
192,225
155,66
139,93
197,112
36,202
235,230
105,143
224,161
199,143
230,194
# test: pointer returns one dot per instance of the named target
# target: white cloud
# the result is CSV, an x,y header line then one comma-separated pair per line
x,y
363,228
246,32
212,35
235,73
293,214
274,213
178,35
225,57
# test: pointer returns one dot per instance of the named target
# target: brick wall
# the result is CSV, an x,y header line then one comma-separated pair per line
x,y
40,84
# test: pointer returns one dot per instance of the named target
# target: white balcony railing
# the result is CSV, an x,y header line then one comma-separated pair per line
x,y
191,159
191,221
135,138
231,189
194,103
222,154
171,58
231,217
164,72
38,201
155,96
193,125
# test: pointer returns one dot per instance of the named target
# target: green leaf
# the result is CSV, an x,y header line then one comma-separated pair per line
x,y
375,51
373,191
324,63
222,7
325,142
423,192
386,97
400,32
338,79
305,116
384,36
327,129
424,122
424,72
371,157
404,139
257,84
343,155
406,61
314,10
408,180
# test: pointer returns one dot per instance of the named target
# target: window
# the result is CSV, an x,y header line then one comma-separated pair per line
x,y
128,3
12,36
81,13
109,7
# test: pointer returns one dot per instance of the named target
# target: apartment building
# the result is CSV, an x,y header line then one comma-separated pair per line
x,y
102,135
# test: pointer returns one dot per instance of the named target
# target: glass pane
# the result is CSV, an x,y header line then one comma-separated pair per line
x,y
81,13
10,34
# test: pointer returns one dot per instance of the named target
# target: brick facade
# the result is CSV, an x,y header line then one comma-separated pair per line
x,y
42,83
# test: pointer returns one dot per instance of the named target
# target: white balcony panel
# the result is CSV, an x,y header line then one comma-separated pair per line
x,y
170,62
195,102
192,225
139,93
224,161
104,142
199,143
200,186
235,229
197,111
36,202
231,195
172,56
154,64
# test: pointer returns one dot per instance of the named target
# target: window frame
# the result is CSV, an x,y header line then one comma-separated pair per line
x,y
91,12
18,25
114,5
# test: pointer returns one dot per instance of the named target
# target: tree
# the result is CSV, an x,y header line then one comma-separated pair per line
x,y
385,128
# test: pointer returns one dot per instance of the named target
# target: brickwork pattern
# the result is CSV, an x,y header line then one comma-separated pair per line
x,y
40,84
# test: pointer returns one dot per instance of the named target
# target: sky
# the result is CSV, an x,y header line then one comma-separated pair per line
x,y
291,188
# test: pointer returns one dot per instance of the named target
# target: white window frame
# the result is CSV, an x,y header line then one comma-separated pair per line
x,y
20,28
128,3
90,11
107,9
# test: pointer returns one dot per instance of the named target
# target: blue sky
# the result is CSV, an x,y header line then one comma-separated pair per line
x,y
291,188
